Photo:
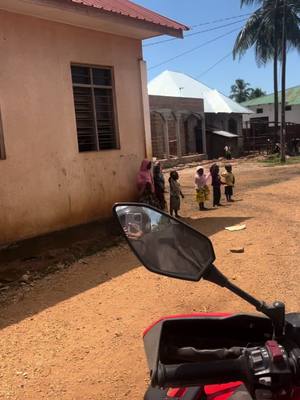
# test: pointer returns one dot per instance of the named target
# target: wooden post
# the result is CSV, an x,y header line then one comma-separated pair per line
x,y
204,145
247,137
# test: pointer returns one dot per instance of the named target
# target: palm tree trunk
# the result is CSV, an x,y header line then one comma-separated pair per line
x,y
276,103
276,106
283,84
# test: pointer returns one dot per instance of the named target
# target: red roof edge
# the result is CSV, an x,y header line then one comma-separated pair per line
x,y
127,8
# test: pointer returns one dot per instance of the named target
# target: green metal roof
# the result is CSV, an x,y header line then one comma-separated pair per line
x,y
292,98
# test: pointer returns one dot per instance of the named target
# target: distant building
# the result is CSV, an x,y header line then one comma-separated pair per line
x,y
177,126
195,119
263,107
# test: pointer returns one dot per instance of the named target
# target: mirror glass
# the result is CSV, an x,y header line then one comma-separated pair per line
x,y
164,244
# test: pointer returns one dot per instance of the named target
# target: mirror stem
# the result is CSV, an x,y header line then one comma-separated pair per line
x,y
275,311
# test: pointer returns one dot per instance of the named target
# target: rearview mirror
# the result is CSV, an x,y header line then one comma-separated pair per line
x,y
163,244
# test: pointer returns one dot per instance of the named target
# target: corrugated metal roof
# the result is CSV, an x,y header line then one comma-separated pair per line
x,y
129,9
225,134
292,98
177,84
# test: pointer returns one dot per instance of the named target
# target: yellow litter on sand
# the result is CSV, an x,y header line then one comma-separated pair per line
x,y
235,228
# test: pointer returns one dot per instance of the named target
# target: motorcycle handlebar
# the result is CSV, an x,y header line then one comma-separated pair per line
x,y
213,372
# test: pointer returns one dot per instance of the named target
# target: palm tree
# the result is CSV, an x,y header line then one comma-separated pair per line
x,y
255,93
240,91
264,30
283,82
263,51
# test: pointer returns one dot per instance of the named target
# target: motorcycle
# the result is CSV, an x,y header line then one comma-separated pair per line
x,y
216,356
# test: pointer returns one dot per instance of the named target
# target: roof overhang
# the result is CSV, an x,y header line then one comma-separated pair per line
x,y
82,16
225,134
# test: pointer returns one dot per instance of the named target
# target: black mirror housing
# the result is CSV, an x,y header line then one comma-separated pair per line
x,y
163,244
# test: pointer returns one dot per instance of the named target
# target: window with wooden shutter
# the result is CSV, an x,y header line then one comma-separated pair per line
x,y
2,146
95,112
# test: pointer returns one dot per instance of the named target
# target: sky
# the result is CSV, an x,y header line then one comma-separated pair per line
x,y
198,62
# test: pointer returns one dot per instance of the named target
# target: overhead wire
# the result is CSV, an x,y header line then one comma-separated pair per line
x,y
214,65
194,48
221,20
194,33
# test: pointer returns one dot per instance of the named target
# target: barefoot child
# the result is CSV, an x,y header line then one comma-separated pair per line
x,y
229,181
202,190
175,193
216,184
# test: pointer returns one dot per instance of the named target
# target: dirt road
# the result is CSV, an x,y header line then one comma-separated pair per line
x,y
77,334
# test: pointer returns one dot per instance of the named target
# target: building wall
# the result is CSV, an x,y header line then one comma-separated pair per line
x,y
46,184
268,111
173,110
215,143
221,121
157,135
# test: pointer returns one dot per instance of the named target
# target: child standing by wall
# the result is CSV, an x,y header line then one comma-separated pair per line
x,y
229,181
148,197
159,185
202,190
216,184
145,176
175,193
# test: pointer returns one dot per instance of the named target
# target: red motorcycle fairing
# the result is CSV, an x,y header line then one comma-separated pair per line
x,y
152,336
185,316
210,392
228,391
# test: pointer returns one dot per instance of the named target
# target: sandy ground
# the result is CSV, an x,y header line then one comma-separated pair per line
x,y
76,334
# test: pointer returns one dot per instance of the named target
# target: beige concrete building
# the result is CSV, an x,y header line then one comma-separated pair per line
x,y
75,121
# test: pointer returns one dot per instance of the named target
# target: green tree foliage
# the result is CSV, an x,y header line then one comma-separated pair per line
x,y
241,91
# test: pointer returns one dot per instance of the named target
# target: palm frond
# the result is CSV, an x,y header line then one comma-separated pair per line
x,y
264,27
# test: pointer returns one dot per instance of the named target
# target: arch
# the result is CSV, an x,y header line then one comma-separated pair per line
x,y
193,134
157,134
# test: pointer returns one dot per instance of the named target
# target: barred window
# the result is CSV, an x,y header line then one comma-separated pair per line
x,y
2,147
93,90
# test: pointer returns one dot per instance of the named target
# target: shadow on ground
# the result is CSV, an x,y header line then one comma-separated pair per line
x,y
210,225
42,255
25,301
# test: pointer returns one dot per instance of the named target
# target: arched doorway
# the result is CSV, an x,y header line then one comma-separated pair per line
x,y
232,126
193,134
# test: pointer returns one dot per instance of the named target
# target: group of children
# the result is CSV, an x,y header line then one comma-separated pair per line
x,y
202,189
151,187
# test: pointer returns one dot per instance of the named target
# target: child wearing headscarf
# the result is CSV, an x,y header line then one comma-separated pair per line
x,y
159,185
148,197
202,190
145,176
175,193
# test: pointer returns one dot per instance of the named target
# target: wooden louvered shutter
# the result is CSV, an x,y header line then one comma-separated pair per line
x,y
94,108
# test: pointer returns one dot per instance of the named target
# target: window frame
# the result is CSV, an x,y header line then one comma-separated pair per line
x,y
2,143
259,111
288,107
92,86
